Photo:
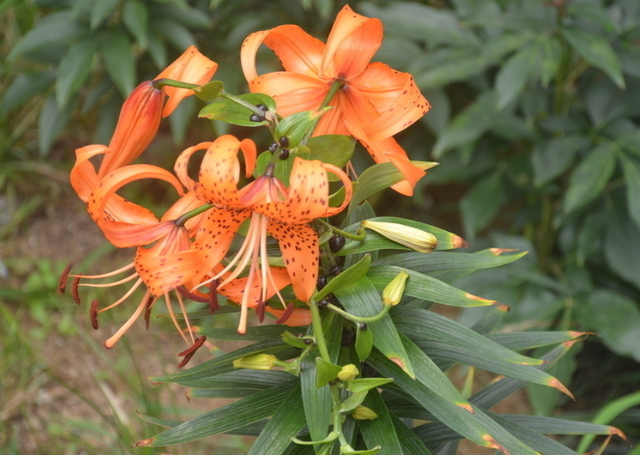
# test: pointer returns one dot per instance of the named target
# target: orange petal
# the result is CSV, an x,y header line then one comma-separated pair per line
x,y
332,121
83,176
300,251
124,235
348,187
181,167
164,267
352,43
292,92
191,67
137,126
298,51
235,289
185,204
216,234
308,195
299,317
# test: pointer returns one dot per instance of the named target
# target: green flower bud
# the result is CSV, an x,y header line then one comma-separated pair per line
x,y
363,413
256,362
416,239
394,290
348,373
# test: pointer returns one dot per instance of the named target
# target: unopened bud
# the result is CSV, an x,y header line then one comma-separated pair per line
x,y
256,362
363,413
348,373
416,239
394,290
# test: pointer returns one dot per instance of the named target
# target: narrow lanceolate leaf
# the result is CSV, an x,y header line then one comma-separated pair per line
x,y
349,276
411,444
244,382
257,333
380,431
552,425
362,299
426,287
597,51
514,74
589,179
285,424
468,424
374,241
238,414
631,168
364,343
317,401
231,112
198,375
517,341
119,61
446,261
73,70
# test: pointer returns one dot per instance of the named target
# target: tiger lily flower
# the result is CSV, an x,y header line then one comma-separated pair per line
x,y
373,101
283,213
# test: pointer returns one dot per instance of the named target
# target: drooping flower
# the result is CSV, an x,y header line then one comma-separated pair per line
x,y
272,208
373,103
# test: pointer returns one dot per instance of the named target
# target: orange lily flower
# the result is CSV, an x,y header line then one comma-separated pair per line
x,y
374,101
273,209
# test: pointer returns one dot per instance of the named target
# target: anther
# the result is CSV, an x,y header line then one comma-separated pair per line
x,y
260,310
147,312
74,290
191,296
213,297
189,352
62,283
93,314
286,315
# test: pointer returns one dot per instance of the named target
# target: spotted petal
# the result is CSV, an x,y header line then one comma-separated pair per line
x,y
292,92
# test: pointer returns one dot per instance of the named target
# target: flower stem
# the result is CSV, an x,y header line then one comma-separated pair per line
x,y
318,334
195,212
241,102
164,82
359,236
366,320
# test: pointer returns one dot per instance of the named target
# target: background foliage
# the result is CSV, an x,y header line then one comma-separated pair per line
x,y
534,121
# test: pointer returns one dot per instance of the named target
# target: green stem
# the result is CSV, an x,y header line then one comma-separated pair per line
x,y
318,334
159,83
195,212
241,102
337,417
358,236
335,86
364,319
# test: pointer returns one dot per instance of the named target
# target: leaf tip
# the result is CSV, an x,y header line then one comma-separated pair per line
x,y
493,444
499,251
459,242
398,361
483,302
467,407
617,432
143,443
556,384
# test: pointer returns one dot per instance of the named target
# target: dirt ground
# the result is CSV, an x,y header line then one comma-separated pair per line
x,y
73,383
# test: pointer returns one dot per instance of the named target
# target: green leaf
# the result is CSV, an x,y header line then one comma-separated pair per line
x,y
349,276
517,341
210,92
362,299
58,27
631,168
136,18
550,58
286,423
616,318
242,382
295,126
468,125
411,444
374,179
73,70
334,149
51,121
589,179
426,287
231,112
380,431
458,67
596,13
119,61
173,32
366,384
317,401
256,333
597,51
621,248
514,74
364,343
24,87
553,157
353,401
374,241
325,372
100,10
482,203
238,414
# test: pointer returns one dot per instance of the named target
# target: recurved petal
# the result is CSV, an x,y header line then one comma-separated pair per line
x,y
235,289
185,204
137,126
125,235
191,67
352,43
216,234
308,195
300,251
292,92
348,188
83,176
298,318
181,168
298,51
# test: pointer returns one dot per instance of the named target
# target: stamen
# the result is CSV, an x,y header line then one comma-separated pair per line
x,y
173,318
213,297
93,314
74,290
260,310
191,296
107,275
124,297
188,353
62,283
184,314
121,331
286,315
107,285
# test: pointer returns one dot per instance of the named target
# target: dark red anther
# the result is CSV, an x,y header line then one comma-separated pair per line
x,y
213,297
62,284
260,310
94,314
190,351
74,290
286,315
191,296
147,312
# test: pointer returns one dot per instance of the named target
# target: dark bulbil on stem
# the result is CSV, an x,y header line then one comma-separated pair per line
x,y
336,243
